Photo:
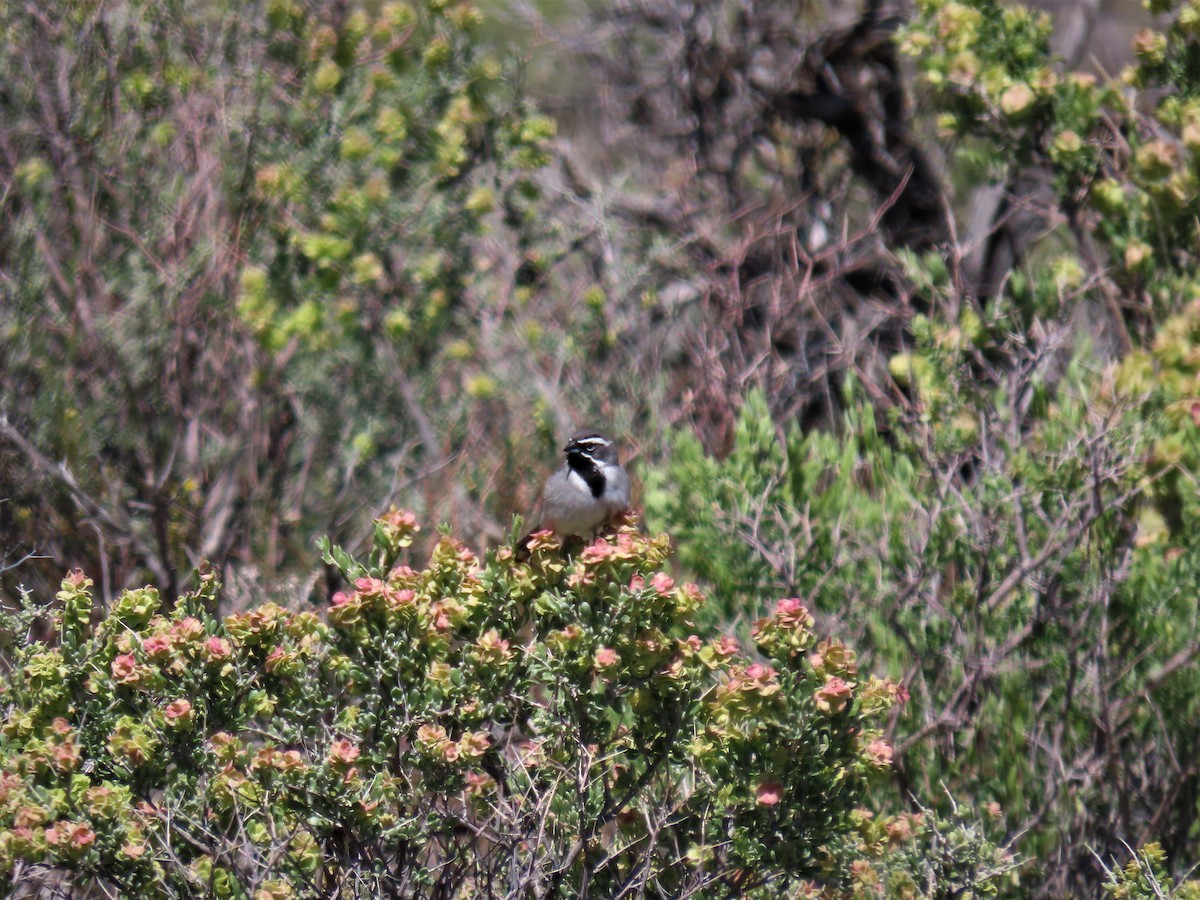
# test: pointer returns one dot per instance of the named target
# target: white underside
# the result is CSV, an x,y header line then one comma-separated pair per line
x,y
568,507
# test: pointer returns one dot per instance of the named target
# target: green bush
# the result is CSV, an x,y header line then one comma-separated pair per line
x,y
231,229
484,727
1007,524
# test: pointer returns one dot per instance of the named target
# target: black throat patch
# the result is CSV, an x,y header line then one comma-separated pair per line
x,y
588,470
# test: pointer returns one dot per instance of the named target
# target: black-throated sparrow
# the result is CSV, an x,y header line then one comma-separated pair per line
x,y
588,491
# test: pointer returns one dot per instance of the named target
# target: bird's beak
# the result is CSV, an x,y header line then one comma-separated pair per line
x,y
571,445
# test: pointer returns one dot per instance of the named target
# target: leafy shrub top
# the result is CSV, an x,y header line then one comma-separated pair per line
x,y
555,724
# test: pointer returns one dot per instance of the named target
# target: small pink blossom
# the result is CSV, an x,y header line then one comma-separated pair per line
x,y
431,735
370,587
179,711
636,584
124,668
791,613
274,658
343,753
397,599
217,648
491,648
187,629
725,647
340,598
29,817
757,679
81,836
769,793
289,760
66,756
605,658
542,540
834,696
474,744
596,553
478,783
879,753
662,583
156,645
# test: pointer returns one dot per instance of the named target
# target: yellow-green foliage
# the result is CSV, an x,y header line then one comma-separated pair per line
x,y
552,719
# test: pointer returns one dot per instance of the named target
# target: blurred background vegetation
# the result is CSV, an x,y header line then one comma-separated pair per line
x,y
894,307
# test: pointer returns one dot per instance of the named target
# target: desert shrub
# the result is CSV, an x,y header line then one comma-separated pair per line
x,y
475,727
1145,875
230,229
1008,525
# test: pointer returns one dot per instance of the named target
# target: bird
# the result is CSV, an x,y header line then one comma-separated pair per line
x,y
589,490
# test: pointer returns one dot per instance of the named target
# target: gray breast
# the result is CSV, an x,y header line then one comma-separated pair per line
x,y
568,506
616,491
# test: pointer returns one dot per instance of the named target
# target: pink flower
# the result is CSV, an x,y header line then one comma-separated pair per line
x,y
370,587
662,583
29,817
397,599
156,645
66,757
769,793
491,648
759,679
834,696
289,760
431,735
124,668
542,540
217,648
725,647
605,658
400,518
340,598
474,744
597,552
274,658
792,613
400,524
879,753
478,783
187,629
179,711
81,836
343,753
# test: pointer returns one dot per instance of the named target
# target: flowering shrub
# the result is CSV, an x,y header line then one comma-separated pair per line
x,y
489,726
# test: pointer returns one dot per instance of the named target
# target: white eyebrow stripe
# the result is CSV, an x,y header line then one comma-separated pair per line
x,y
594,440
